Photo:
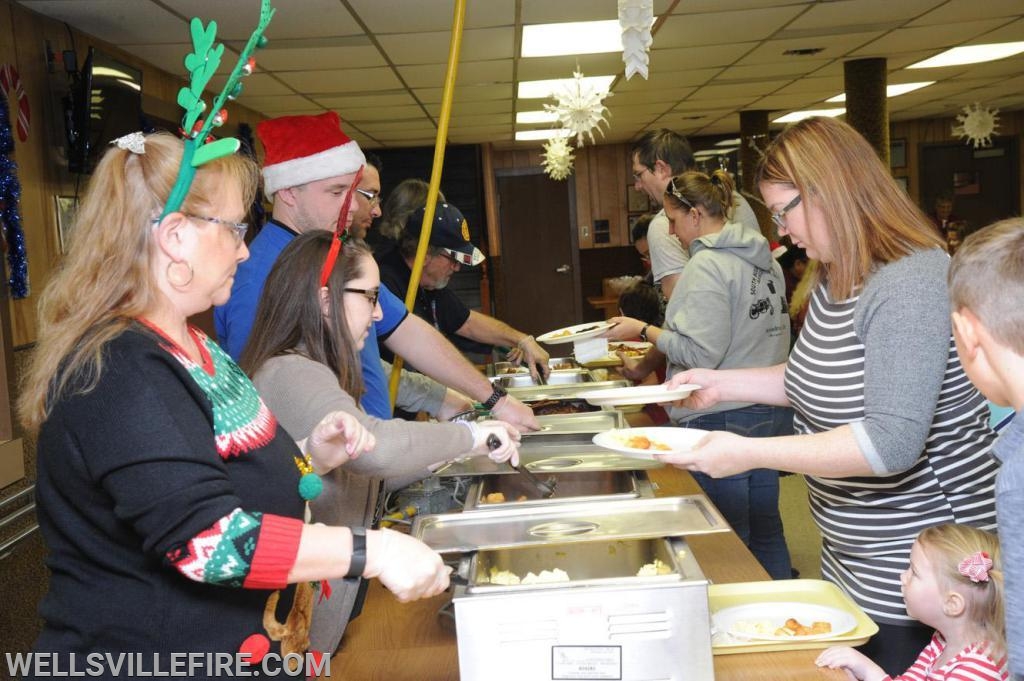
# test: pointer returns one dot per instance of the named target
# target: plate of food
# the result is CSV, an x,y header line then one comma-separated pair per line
x,y
644,443
576,332
640,394
628,348
783,621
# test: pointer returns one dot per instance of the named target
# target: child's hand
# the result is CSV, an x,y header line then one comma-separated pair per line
x,y
856,665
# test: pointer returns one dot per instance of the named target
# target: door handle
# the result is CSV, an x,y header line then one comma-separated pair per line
x,y
564,269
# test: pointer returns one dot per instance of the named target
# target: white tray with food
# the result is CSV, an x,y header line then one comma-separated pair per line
x,y
571,334
644,443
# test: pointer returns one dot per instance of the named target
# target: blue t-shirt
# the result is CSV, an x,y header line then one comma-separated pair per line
x,y
234,319
376,400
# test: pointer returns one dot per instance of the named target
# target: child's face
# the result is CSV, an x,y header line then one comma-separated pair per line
x,y
921,590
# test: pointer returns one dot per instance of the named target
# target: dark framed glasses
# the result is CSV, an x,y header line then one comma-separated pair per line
x,y
372,197
371,294
780,218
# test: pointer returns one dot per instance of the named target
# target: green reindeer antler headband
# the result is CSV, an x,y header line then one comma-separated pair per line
x,y
202,63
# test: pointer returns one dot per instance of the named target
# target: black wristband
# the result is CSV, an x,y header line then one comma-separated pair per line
x,y
357,563
498,393
643,332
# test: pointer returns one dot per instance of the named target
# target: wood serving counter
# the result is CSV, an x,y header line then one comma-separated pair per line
x,y
413,642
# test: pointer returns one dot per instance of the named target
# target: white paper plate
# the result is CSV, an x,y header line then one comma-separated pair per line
x,y
569,334
676,439
740,621
640,394
641,346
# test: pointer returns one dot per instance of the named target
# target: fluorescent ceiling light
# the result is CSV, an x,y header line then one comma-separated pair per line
x,y
706,153
800,115
542,89
890,90
536,117
970,54
729,143
526,135
573,37
110,72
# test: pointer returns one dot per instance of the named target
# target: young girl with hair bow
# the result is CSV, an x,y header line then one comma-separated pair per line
x,y
954,584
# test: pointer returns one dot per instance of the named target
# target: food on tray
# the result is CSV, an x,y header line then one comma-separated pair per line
x,y
566,332
562,365
791,628
494,498
507,577
514,370
658,567
644,442
627,350
567,406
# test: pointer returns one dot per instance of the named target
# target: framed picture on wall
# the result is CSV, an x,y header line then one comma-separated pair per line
x,y
66,208
898,154
636,202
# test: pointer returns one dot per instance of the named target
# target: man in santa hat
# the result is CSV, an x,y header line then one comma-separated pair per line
x,y
308,167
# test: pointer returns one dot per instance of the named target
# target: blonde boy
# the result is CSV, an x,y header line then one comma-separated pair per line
x,y
986,285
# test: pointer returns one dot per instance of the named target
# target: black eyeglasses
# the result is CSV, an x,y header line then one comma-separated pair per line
x,y
674,191
637,176
371,294
780,218
372,197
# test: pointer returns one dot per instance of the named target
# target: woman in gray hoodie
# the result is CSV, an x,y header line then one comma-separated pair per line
x,y
728,311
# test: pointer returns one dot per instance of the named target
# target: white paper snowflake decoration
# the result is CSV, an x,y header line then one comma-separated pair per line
x,y
977,124
635,19
558,158
580,109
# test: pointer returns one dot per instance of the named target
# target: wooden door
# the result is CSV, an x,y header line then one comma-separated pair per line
x,y
540,263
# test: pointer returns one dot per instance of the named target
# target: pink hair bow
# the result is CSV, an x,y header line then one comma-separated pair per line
x,y
976,566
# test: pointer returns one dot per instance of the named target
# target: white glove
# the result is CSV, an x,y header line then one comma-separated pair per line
x,y
406,566
497,439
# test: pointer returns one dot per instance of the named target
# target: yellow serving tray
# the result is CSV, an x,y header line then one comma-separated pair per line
x,y
814,591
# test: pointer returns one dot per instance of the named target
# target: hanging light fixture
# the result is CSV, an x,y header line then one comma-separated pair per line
x,y
580,108
558,158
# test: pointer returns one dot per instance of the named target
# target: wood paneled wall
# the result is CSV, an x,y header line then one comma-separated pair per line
x,y
41,169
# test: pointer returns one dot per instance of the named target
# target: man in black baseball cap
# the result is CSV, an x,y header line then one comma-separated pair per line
x,y
450,249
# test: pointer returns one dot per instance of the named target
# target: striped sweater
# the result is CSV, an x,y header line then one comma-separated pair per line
x,y
884,362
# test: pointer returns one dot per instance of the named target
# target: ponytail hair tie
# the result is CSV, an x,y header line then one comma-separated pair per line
x,y
976,566
715,179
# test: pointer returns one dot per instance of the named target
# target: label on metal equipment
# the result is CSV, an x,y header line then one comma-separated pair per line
x,y
586,662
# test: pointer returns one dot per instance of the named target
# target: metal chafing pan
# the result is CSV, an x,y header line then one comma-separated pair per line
x,y
569,523
547,458
554,392
574,427
570,487
524,380
499,369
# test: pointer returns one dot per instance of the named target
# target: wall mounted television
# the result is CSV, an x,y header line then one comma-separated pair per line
x,y
104,103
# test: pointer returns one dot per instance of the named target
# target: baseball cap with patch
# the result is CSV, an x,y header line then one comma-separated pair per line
x,y
449,232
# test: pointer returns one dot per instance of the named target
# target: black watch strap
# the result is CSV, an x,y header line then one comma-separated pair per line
x,y
643,332
357,563
498,393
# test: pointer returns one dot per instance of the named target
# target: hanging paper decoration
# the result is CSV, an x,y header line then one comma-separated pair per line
x,y
977,124
10,83
558,158
635,19
580,109
10,217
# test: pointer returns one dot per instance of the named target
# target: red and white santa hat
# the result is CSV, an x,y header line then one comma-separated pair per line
x,y
301,149
778,250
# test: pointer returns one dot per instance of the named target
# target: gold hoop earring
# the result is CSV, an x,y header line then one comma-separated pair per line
x,y
171,278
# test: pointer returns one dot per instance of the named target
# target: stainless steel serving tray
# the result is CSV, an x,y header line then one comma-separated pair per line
x,y
499,369
570,487
574,427
568,376
554,392
568,523
551,457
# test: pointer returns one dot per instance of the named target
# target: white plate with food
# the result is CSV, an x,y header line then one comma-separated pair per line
x,y
628,348
644,443
576,332
640,394
784,621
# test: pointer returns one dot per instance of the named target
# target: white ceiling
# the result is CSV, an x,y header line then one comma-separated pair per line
x,y
381,63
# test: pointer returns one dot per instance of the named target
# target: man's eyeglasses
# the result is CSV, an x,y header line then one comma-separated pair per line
x,y
780,218
371,294
372,197
638,175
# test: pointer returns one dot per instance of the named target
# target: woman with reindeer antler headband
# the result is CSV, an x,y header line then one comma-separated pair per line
x,y
171,501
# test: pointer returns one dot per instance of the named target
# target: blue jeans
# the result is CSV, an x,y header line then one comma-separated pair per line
x,y
750,501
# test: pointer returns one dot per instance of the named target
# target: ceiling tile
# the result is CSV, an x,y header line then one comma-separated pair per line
x,y
849,13
476,93
256,84
667,79
363,115
922,37
832,47
340,81
684,29
268,104
418,16
237,18
432,48
297,56
676,58
366,100
116,21
470,74
485,107
954,11
544,68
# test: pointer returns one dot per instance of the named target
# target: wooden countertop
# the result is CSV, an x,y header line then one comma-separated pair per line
x,y
413,642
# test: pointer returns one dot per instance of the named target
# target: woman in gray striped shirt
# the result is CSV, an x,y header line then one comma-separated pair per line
x,y
892,436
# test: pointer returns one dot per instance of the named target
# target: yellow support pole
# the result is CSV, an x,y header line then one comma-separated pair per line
x,y
458,19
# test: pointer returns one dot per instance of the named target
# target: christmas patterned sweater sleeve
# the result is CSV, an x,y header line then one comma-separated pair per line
x,y
249,550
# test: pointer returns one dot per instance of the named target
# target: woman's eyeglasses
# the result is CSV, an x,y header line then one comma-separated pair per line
x,y
238,229
780,218
371,294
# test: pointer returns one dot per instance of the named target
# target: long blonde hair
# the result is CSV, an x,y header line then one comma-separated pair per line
x,y
946,546
106,280
870,219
